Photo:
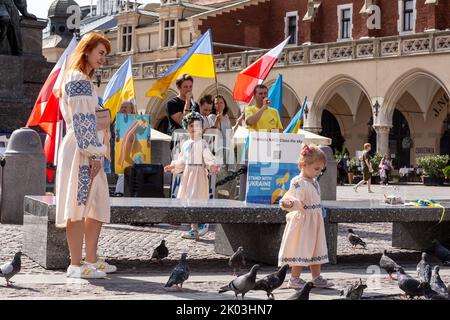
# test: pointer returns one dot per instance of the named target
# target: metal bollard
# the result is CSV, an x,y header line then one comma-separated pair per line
x,y
23,174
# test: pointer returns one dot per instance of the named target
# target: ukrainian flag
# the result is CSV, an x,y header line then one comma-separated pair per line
x,y
197,62
296,122
119,88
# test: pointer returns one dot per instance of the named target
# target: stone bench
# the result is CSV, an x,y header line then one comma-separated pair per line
x,y
258,228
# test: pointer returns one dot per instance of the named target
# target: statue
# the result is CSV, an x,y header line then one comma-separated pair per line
x,y
10,23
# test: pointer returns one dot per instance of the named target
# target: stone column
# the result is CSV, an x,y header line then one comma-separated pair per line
x,y
382,138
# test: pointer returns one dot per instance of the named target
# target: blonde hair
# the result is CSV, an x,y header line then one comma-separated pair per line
x,y
78,59
131,103
367,145
311,154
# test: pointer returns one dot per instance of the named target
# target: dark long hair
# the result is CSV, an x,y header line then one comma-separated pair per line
x,y
214,109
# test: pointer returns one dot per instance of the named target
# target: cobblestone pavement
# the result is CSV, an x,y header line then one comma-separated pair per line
x,y
130,248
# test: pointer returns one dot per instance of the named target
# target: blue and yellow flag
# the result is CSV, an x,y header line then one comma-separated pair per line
x,y
276,95
197,62
119,88
296,122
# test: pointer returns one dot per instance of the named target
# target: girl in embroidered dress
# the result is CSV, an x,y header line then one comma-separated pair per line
x,y
193,160
82,195
304,242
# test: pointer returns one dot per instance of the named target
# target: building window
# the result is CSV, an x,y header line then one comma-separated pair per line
x,y
127,36
291,27
169,33
346,24
345,13
408,15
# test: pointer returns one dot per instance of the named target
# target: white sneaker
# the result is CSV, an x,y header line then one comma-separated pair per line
x,y
202,229
85,271
104,266
296,283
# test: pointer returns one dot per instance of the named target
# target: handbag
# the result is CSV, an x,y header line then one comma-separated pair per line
x,y
103,119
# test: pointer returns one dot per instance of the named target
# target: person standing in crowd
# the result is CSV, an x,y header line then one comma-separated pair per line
x,y
259,117
221,121
385,169
366,168
342,169
182,104
206,107
82,194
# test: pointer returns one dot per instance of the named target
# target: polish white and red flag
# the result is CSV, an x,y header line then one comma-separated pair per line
x,y
46,112
256,73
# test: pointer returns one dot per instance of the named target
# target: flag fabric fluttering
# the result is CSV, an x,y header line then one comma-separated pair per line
x,y
296,122
197,62
46,112
119,88
256,73
276,95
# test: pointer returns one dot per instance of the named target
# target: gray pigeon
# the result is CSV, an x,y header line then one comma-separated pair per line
x,y
302,294
354,239
160,251
242,284
354,291
410,286
437,284
179,274
237,260
424,269
389,265
272,281
10,269
430,294
441,252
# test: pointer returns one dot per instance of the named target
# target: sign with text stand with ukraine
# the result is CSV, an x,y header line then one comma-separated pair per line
x,y
272,163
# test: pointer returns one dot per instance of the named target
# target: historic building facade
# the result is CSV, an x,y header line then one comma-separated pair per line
x,y
370,73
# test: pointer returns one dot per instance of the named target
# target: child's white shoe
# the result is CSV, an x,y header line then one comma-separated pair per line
x,y
321,282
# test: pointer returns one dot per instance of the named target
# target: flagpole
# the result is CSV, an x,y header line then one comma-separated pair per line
x,y
214,64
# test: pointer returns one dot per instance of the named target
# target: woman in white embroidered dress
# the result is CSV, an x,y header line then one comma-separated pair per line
x,y
82,196
304,242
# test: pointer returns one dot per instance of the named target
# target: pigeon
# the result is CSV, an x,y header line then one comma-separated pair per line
x,y
180,273
272,281
430,294
389,265
242,284
237,260
441,252
10,269
437,284
355,239
410,286
160,251
302,294
354,291
424,269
